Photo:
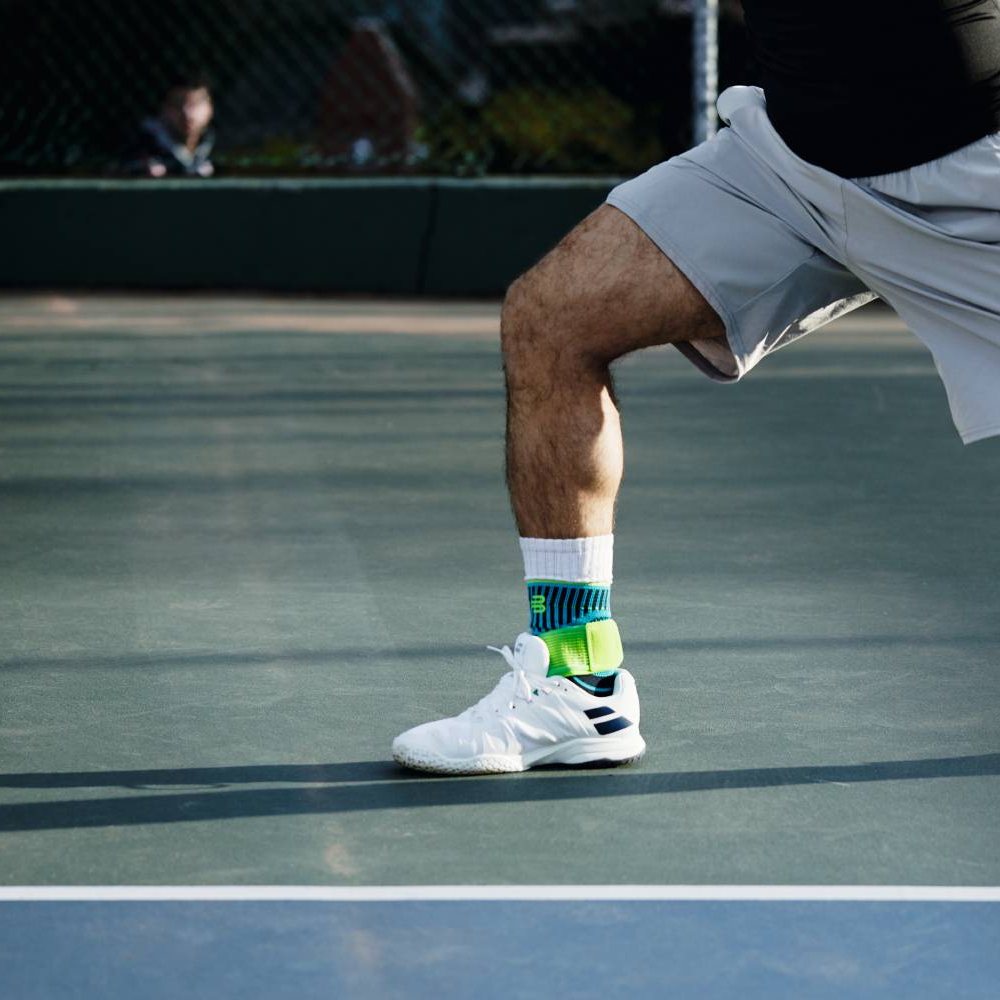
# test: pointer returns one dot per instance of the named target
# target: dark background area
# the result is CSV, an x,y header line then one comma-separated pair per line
x,y
503,86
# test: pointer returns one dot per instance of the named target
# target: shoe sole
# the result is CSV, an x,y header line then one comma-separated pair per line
x,y
582,752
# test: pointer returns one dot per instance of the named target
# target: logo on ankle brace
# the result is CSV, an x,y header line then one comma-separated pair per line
x,y
538,604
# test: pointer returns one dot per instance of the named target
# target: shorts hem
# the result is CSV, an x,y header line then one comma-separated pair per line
x,y
678,258
979,433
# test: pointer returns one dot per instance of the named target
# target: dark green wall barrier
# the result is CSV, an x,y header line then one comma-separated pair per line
x,y
406,237
485,233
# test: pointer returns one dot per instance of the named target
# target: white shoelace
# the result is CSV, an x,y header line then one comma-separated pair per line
x,y
503,695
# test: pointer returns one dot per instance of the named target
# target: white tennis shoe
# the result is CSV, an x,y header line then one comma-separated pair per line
x,y
529,719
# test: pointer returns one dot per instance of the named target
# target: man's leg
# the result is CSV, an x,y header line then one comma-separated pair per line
x,y
604,291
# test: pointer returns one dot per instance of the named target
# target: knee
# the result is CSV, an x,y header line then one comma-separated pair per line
x,y
518,319
529,324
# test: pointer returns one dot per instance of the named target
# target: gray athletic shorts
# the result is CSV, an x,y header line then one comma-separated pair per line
x,y
779,247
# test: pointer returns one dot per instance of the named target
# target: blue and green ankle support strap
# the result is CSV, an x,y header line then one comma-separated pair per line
x,y
574,621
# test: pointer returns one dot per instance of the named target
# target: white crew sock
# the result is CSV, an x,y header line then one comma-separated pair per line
x,y
573,560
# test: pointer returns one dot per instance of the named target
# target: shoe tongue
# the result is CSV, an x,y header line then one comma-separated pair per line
x,y
532,654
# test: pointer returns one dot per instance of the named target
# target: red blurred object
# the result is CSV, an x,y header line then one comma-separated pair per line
x,y
369,110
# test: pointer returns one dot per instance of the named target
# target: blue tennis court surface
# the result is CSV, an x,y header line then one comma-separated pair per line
x,y
512,948
247,542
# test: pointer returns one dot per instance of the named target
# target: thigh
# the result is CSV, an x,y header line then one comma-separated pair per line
x,y
752,246
612,290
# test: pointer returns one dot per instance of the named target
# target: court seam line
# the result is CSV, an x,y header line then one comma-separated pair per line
x,y
502,893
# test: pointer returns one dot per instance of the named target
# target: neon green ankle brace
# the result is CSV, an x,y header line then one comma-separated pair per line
x,y
584,649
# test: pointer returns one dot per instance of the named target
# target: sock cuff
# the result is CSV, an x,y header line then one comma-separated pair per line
x,y
573,560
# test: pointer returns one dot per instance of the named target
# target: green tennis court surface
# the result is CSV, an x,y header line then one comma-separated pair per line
x,y
247,542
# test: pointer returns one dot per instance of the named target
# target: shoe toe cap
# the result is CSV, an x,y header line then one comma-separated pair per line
x,y
429,736
451,738
418,736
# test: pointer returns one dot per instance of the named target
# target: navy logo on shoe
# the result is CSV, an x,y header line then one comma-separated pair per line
x,y
609,725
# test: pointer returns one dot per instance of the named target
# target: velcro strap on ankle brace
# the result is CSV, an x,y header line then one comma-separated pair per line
x,y
584,649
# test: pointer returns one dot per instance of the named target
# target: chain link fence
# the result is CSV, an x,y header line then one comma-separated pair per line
x,y
357,87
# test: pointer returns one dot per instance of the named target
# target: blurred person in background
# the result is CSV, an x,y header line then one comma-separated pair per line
x,y
179,141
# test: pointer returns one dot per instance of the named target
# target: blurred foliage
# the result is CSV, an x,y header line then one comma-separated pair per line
x,y
529,129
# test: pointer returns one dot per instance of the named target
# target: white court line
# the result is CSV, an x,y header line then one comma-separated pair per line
x,y
517,893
